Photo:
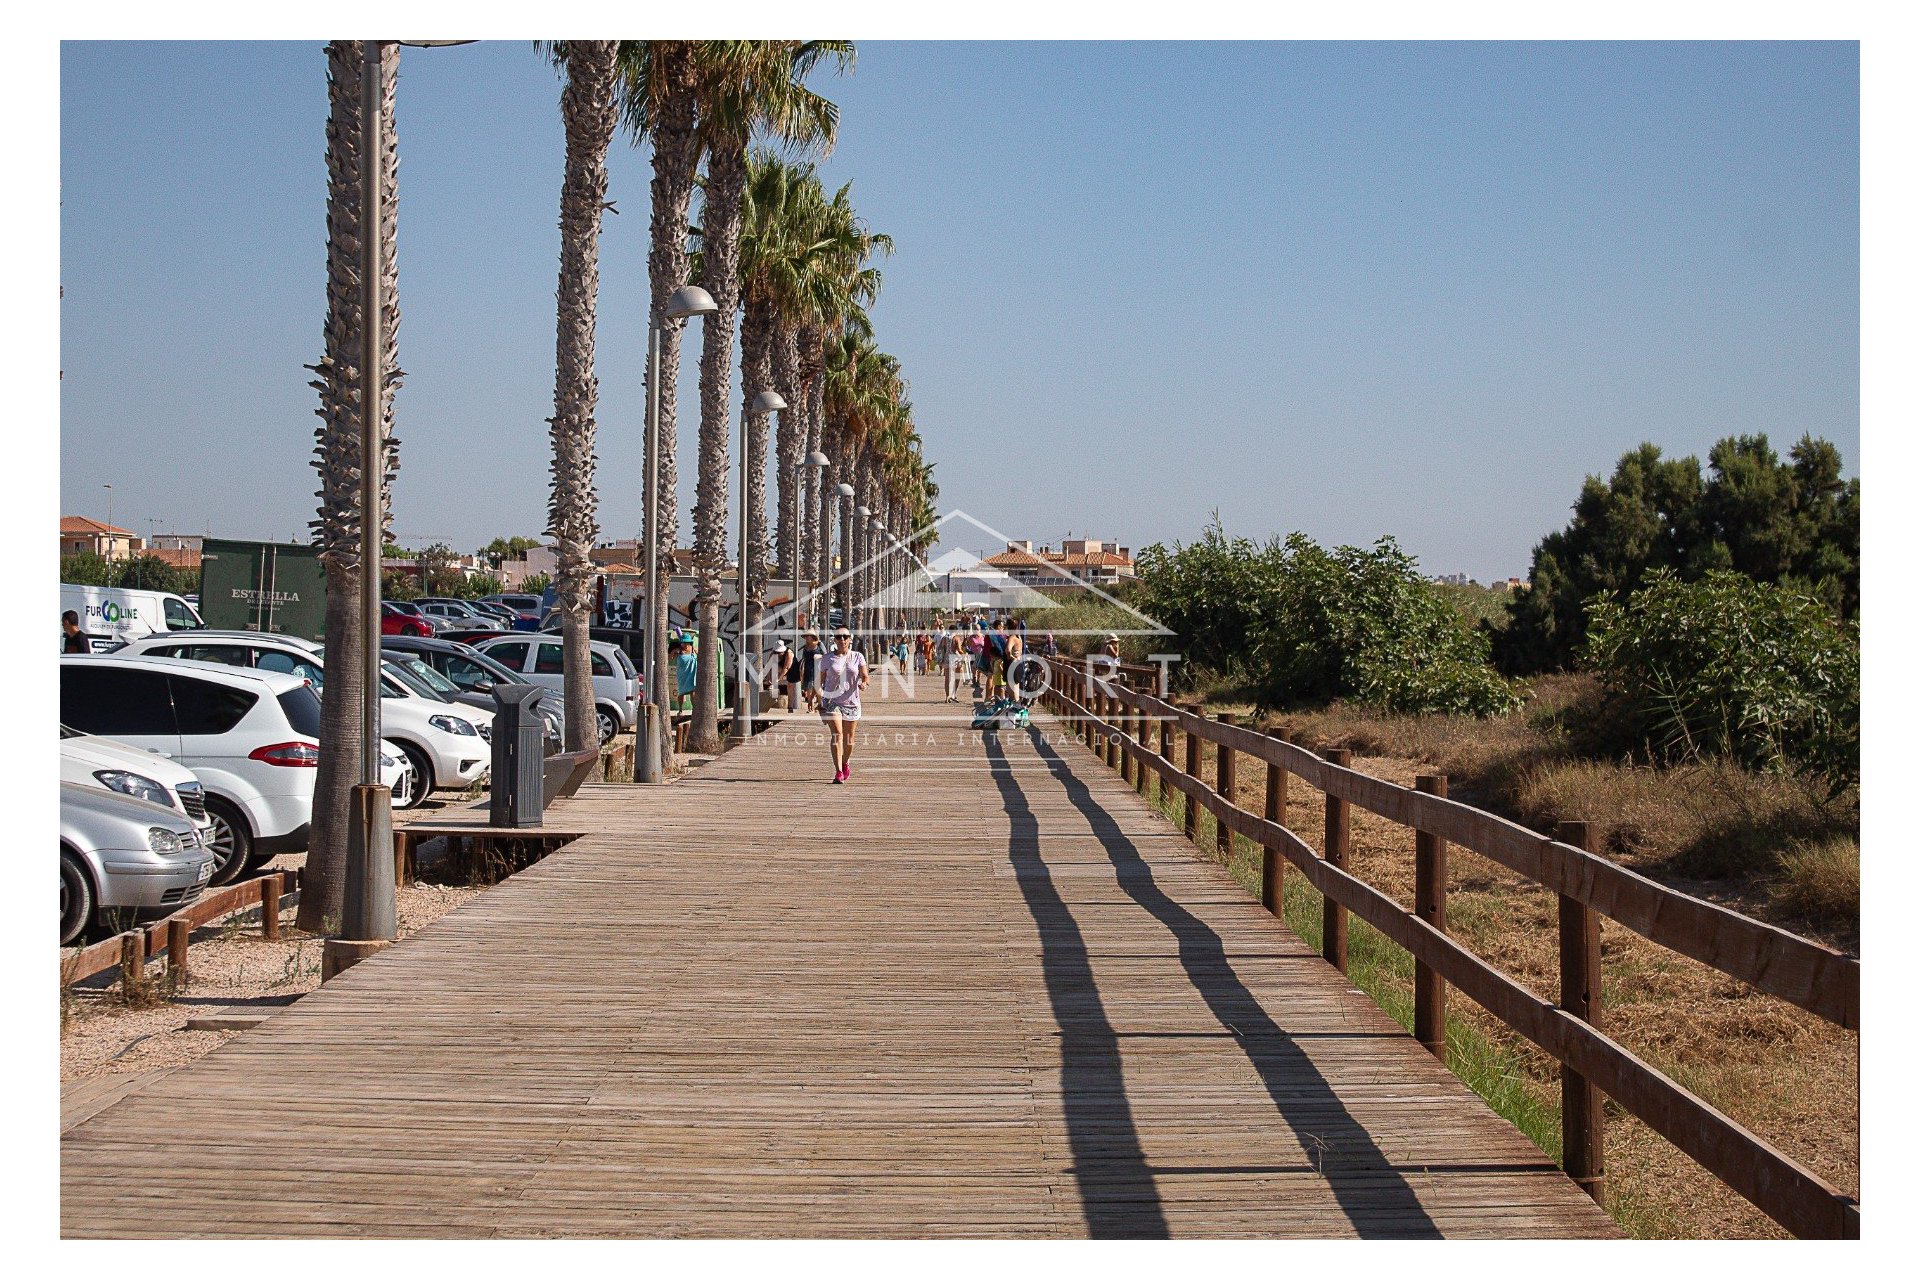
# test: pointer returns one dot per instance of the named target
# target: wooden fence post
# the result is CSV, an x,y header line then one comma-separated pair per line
x,y
1192,824
270,906
178,936
1166,752
1223,783
1110,712
1333,916
1273,864
1583,1121
1430,905
133,963
1143,724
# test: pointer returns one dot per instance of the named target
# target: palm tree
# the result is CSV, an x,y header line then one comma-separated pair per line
x,y
657,102
742,86
336,530
587,107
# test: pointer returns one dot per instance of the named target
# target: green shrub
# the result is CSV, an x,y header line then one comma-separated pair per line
x,y
1301,624
1727,666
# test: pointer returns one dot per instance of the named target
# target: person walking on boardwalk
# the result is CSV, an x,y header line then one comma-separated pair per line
x,y
1016,647
946,652
72,638
810,655
843,674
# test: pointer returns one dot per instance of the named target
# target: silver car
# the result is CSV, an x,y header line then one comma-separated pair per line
x,y
121,854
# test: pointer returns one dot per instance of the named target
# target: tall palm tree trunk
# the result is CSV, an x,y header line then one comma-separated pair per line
x,y
336,530
676,155
587,108
818,502
787,441
756,376
720,249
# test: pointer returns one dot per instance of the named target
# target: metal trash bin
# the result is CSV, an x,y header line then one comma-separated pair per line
x,y
517,793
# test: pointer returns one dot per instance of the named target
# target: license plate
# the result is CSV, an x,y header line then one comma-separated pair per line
x,y
206,871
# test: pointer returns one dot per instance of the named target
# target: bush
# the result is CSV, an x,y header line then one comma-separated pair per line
x,y
1300,624
1728,666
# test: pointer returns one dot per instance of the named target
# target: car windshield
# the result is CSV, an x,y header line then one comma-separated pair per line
x,y
419,675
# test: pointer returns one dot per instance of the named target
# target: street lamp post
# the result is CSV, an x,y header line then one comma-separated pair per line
x,y
743,699
109,489
820,462
688,300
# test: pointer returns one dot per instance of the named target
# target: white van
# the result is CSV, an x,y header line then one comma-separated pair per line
x,y
111,616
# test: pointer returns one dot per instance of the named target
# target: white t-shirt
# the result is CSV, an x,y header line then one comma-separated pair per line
x,y
840,679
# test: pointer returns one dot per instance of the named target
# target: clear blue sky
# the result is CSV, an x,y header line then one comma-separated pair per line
x,y
1350,289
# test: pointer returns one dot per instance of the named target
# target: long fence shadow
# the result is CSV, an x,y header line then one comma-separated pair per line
x,y
1375,1197
1117,1193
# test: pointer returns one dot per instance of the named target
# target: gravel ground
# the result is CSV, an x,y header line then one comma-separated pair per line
x,y
228,963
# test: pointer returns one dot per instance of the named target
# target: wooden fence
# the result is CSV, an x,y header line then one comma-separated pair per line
x,y
130,951
1117,714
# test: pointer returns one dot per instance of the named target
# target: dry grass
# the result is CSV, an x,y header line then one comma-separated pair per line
x,y
1821,879
1712,828
1786,1074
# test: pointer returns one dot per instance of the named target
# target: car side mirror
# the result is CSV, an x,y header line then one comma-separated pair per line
x,y
483,686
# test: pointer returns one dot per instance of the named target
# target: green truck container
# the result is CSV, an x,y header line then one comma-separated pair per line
x,y
275,587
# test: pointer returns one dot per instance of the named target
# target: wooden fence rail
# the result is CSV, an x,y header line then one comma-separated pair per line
x,y
148,941
1783,964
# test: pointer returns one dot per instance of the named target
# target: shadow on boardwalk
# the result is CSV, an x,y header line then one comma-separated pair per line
x,y
1115,1181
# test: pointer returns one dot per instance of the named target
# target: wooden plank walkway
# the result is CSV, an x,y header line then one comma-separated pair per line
x,y
982,990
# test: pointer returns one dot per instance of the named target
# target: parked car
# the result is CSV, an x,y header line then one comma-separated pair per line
x,y
526,609
87,760
395,621
412,610
496,612
123,853
455,612
474,674
538,658
471,635
631,640
446,745
111,616
252,737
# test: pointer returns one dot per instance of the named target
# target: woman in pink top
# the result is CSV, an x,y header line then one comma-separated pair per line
x,y
843,674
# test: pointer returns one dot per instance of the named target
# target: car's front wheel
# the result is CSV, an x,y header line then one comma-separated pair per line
x,y
230,838
416,783
76,899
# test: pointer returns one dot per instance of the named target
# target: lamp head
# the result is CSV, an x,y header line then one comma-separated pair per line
x,y
863,511
815,459
845,490
768,401
690,300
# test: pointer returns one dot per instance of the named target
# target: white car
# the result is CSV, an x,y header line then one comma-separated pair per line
x,y
539,660
251,737
447,744
101,762
122,854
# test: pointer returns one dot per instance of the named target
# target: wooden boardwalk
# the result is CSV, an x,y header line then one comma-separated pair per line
x,y
982,990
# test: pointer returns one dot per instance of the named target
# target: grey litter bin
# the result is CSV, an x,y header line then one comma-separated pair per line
x,y
517,793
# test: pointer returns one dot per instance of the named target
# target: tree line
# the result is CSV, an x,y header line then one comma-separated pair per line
x,y
1717,610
